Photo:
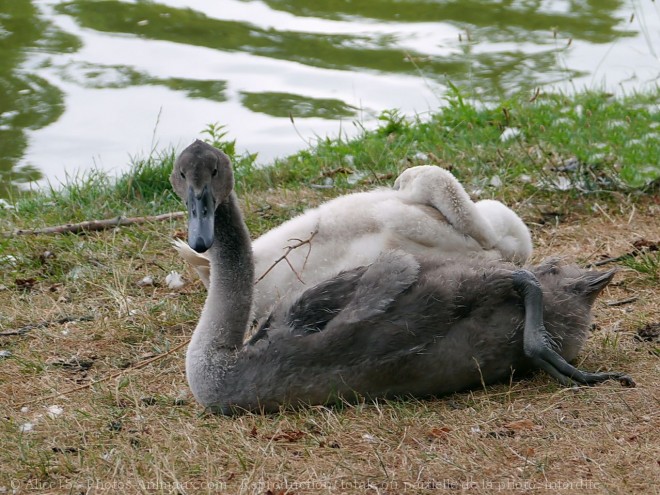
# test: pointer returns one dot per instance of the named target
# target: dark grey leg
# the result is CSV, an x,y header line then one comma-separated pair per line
x,y
536,340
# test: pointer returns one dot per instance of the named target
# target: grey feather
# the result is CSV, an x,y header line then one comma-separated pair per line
x,y
401,326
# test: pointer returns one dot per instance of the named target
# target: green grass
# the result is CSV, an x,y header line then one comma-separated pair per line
x,y
566,146
647,263
597,142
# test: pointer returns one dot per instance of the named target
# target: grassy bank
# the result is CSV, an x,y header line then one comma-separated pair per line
x,y
557,145
583,173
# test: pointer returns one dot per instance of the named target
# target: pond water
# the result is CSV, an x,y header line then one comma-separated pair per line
x,y
88,84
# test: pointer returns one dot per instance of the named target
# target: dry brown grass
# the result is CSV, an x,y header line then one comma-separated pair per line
x,y
140,432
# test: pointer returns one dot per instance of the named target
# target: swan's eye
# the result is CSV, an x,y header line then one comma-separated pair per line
x,y
215,172
183,176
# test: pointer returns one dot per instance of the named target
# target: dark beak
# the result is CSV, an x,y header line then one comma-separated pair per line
x,y
201,209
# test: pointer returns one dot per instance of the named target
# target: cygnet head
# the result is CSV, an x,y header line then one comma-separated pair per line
x,y
203,179
408,176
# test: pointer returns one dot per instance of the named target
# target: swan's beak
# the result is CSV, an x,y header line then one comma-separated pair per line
x,y
201,209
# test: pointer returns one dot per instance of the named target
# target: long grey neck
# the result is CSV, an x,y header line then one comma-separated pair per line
x,y
227,309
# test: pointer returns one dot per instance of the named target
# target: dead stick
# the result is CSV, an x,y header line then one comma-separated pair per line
x,y
309,247
631,254
622,301
109,377
284,256
91,225
294,270
31,326
608,260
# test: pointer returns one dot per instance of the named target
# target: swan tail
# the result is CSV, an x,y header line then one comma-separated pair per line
x,y
199,262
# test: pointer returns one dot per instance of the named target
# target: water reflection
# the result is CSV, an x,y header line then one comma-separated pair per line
x,y
288,105
95,76
506,20
484,22
292,56
328,51
27,101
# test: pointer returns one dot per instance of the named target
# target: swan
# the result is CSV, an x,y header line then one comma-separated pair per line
x,y
402,325
426,212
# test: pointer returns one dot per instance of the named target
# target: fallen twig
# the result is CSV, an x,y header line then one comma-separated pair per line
x,y
109,377
622,301
641,247
91,225
32,326
284,257
611,260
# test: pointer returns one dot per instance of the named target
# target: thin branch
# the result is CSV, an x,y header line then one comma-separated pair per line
x,y
91,225
621,302
109,377
284,257
32,326
641,248
609,260
309,250
294,270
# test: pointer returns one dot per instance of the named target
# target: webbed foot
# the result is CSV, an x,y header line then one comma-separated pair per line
x,y
536,340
